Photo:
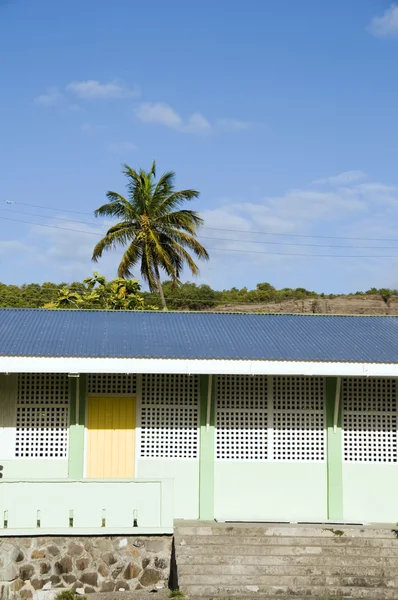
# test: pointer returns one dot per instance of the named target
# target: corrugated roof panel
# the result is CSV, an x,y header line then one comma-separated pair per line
x,y
75,333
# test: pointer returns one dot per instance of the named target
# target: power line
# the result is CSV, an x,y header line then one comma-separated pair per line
x,y
302,235
223,249
211,237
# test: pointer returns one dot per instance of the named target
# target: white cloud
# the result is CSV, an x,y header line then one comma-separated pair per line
x,y
92,129
50,98
12,248
234,125
346,178
387,24
197,123
120,147
158,113
361,209
161,113
92,89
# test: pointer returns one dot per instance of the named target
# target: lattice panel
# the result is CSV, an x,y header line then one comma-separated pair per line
x,y
241,417
170,417
298,393
43,388
42,416
369,420
42,432
112,384
170,389
299,418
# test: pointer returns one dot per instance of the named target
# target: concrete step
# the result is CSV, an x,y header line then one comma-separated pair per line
x,y
245,540
267,560
290,570
236,550
224,560
280,592
292,581
264,530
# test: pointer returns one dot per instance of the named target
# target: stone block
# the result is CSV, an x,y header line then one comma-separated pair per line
x,y
26,571
108,558
26,593
122,586
64,565
53,550
108,586
16,585
37,584
75,549
82,563
8,573
160,563
155,545
89,578
44,568
103,570
69,578
89,590
150,577
132,571
38,554
116,572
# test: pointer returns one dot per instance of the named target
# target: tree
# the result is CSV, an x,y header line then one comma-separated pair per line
x,y
97,293
153,226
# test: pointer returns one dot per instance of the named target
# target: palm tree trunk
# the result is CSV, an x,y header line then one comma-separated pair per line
x,y
160,288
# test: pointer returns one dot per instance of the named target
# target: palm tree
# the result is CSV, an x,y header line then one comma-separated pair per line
x,y
153,226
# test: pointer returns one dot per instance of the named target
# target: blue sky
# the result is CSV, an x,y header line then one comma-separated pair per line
x,y
282,113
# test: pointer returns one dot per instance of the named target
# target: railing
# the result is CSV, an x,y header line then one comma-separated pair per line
x,y
86,506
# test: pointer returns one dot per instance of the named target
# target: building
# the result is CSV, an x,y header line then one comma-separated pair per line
x,y
122,421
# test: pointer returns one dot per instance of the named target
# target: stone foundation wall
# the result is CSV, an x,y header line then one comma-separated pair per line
x,y
30,566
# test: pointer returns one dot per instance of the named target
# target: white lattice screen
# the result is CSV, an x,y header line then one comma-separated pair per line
x,y
112,383
241,417
42,416
299,418
282,418
369,409
170,416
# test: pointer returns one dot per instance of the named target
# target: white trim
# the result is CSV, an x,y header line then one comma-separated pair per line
x,y
138,412
336,404
209,398
31,364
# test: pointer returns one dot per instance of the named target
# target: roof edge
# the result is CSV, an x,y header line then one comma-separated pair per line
x,y
28,364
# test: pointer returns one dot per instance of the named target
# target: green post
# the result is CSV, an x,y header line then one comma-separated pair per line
x,y
77,394
206,460
334,450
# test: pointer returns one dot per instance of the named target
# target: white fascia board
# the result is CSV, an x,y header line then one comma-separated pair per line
x,y
28,364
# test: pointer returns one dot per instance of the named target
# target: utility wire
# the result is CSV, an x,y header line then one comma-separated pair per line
x,y
222,249
303,235
222,239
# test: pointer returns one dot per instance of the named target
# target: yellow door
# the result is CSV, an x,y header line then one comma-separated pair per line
x,y
111,437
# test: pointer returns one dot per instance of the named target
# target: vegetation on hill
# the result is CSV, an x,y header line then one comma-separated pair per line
x,y
96,292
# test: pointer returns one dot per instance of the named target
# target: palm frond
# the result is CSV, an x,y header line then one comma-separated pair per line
x,y
189,220
130,259
176,199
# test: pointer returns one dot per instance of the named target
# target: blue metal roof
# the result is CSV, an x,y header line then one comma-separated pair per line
x,y
76,333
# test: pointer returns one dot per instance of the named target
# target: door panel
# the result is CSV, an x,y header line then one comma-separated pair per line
x,y
111,437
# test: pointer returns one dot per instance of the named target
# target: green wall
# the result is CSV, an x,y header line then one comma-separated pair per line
x,y
334,451
206,467
76,427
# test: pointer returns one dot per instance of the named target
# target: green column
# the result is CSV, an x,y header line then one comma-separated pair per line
x,y
206,459
334,452
76,426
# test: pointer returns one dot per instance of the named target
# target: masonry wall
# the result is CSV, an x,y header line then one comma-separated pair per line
x,y
87,564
